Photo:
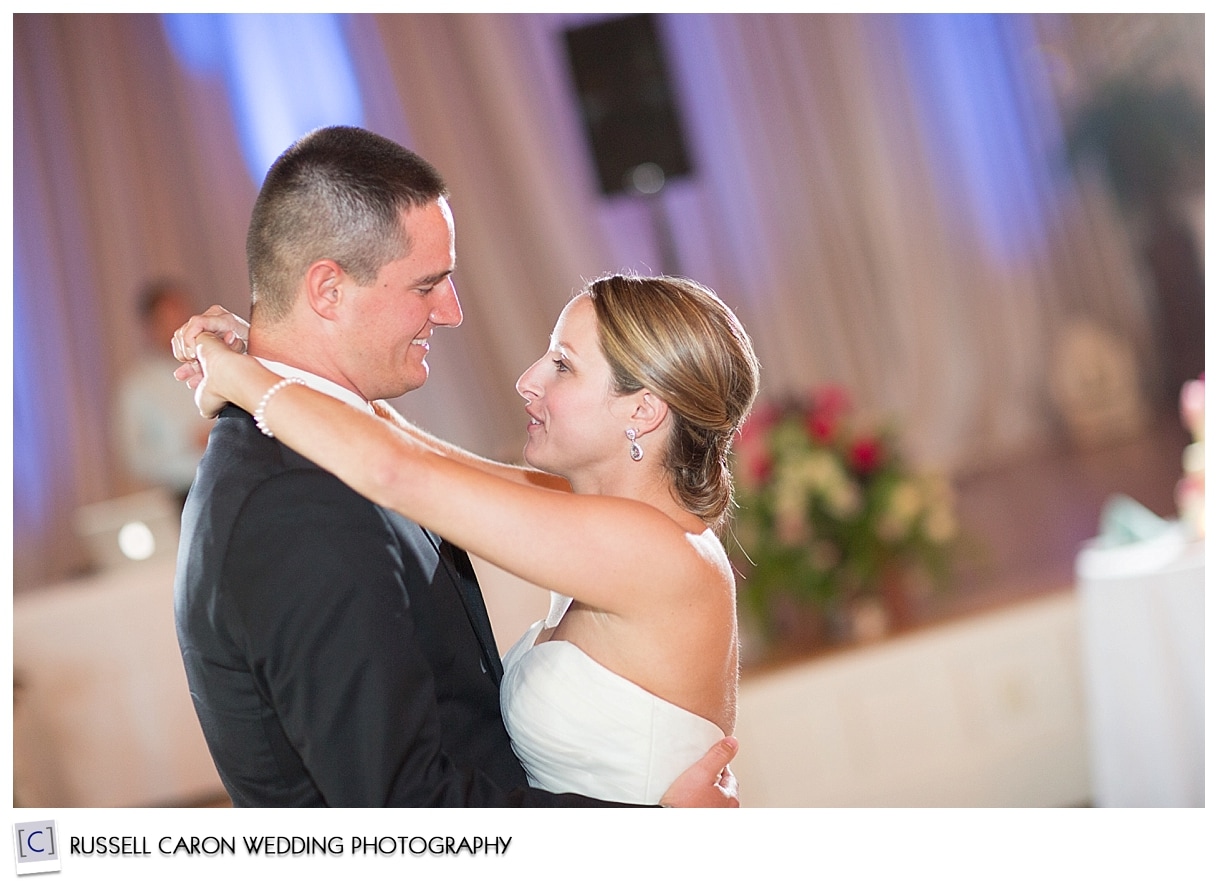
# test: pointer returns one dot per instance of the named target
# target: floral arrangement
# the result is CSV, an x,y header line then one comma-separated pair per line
x,y
1190,491
828,511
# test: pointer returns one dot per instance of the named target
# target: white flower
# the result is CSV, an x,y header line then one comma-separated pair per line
x,y
812,471
790,514
905,503
843,497
941,525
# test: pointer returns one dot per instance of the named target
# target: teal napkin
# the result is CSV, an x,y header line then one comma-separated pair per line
x,y
1125,521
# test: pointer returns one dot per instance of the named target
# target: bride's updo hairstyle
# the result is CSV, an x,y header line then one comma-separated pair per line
x,y
678,339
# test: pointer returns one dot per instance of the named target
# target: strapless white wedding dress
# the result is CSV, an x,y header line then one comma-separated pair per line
x,y
577,727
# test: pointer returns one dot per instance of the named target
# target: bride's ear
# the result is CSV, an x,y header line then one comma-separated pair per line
x,y
322,287
649,412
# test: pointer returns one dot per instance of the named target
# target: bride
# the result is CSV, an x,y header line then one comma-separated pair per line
x,y
633,674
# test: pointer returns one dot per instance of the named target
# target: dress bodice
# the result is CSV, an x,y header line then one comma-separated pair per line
x,y
578,727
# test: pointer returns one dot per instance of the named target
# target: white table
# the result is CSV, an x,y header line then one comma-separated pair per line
x,y
1142,621
104,716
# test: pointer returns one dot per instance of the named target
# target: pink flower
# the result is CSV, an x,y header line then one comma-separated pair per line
x,y
1192,406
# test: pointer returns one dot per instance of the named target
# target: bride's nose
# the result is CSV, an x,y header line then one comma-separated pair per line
x,y
525,386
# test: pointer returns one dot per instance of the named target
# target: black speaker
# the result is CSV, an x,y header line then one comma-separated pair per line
x,y
629,114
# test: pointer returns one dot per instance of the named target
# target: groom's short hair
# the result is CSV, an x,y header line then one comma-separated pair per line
x,y
338,194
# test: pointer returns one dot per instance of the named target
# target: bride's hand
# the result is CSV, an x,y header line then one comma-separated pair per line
x,y
210,352
218,321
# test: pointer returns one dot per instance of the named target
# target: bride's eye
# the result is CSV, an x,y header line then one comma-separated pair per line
x,y
560,365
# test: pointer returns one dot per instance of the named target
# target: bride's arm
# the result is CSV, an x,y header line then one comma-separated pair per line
x,y
519,474
234,331
616,554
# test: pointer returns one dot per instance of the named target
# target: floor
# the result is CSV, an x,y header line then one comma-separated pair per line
x,y
1029,520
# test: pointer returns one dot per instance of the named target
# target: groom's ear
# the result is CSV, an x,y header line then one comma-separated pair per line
x,y
322,287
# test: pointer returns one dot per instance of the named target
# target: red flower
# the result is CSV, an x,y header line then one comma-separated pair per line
x,y
751,448
760,468
866,454
832,399
758,423
828,405
821,428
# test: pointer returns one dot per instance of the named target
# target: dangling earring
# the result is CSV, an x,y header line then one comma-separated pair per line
x,y
636,452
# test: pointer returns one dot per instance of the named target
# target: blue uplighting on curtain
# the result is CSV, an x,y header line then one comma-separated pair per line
x,y
967,79
31,504
286,74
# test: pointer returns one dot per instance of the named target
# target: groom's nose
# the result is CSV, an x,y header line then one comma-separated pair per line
x,y
447,309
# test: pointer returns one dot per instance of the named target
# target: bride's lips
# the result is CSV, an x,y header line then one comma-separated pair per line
x,y
534,422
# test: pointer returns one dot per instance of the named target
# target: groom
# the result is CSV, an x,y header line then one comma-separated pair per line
x,y
337,653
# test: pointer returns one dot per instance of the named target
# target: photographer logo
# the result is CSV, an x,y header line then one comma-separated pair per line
x,y
36,847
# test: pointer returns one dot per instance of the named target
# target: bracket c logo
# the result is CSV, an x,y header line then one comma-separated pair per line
x,y
36,846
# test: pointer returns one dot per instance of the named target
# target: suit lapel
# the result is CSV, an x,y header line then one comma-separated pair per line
x,y
461,571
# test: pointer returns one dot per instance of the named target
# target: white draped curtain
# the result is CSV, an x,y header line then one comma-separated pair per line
x,y
836,203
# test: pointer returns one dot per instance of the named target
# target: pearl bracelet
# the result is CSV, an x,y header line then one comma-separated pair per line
x,y
260,410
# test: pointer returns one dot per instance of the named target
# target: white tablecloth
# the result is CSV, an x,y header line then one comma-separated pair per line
x,y
104,716
1142,617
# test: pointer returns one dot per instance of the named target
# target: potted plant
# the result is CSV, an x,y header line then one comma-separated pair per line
x,y
831,514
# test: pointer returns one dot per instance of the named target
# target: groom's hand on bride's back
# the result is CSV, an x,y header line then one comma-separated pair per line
x,y
708,783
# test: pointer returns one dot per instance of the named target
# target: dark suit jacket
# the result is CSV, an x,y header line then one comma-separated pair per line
x,y
337,653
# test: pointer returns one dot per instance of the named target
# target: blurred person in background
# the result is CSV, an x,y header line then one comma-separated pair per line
x,y
160,437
